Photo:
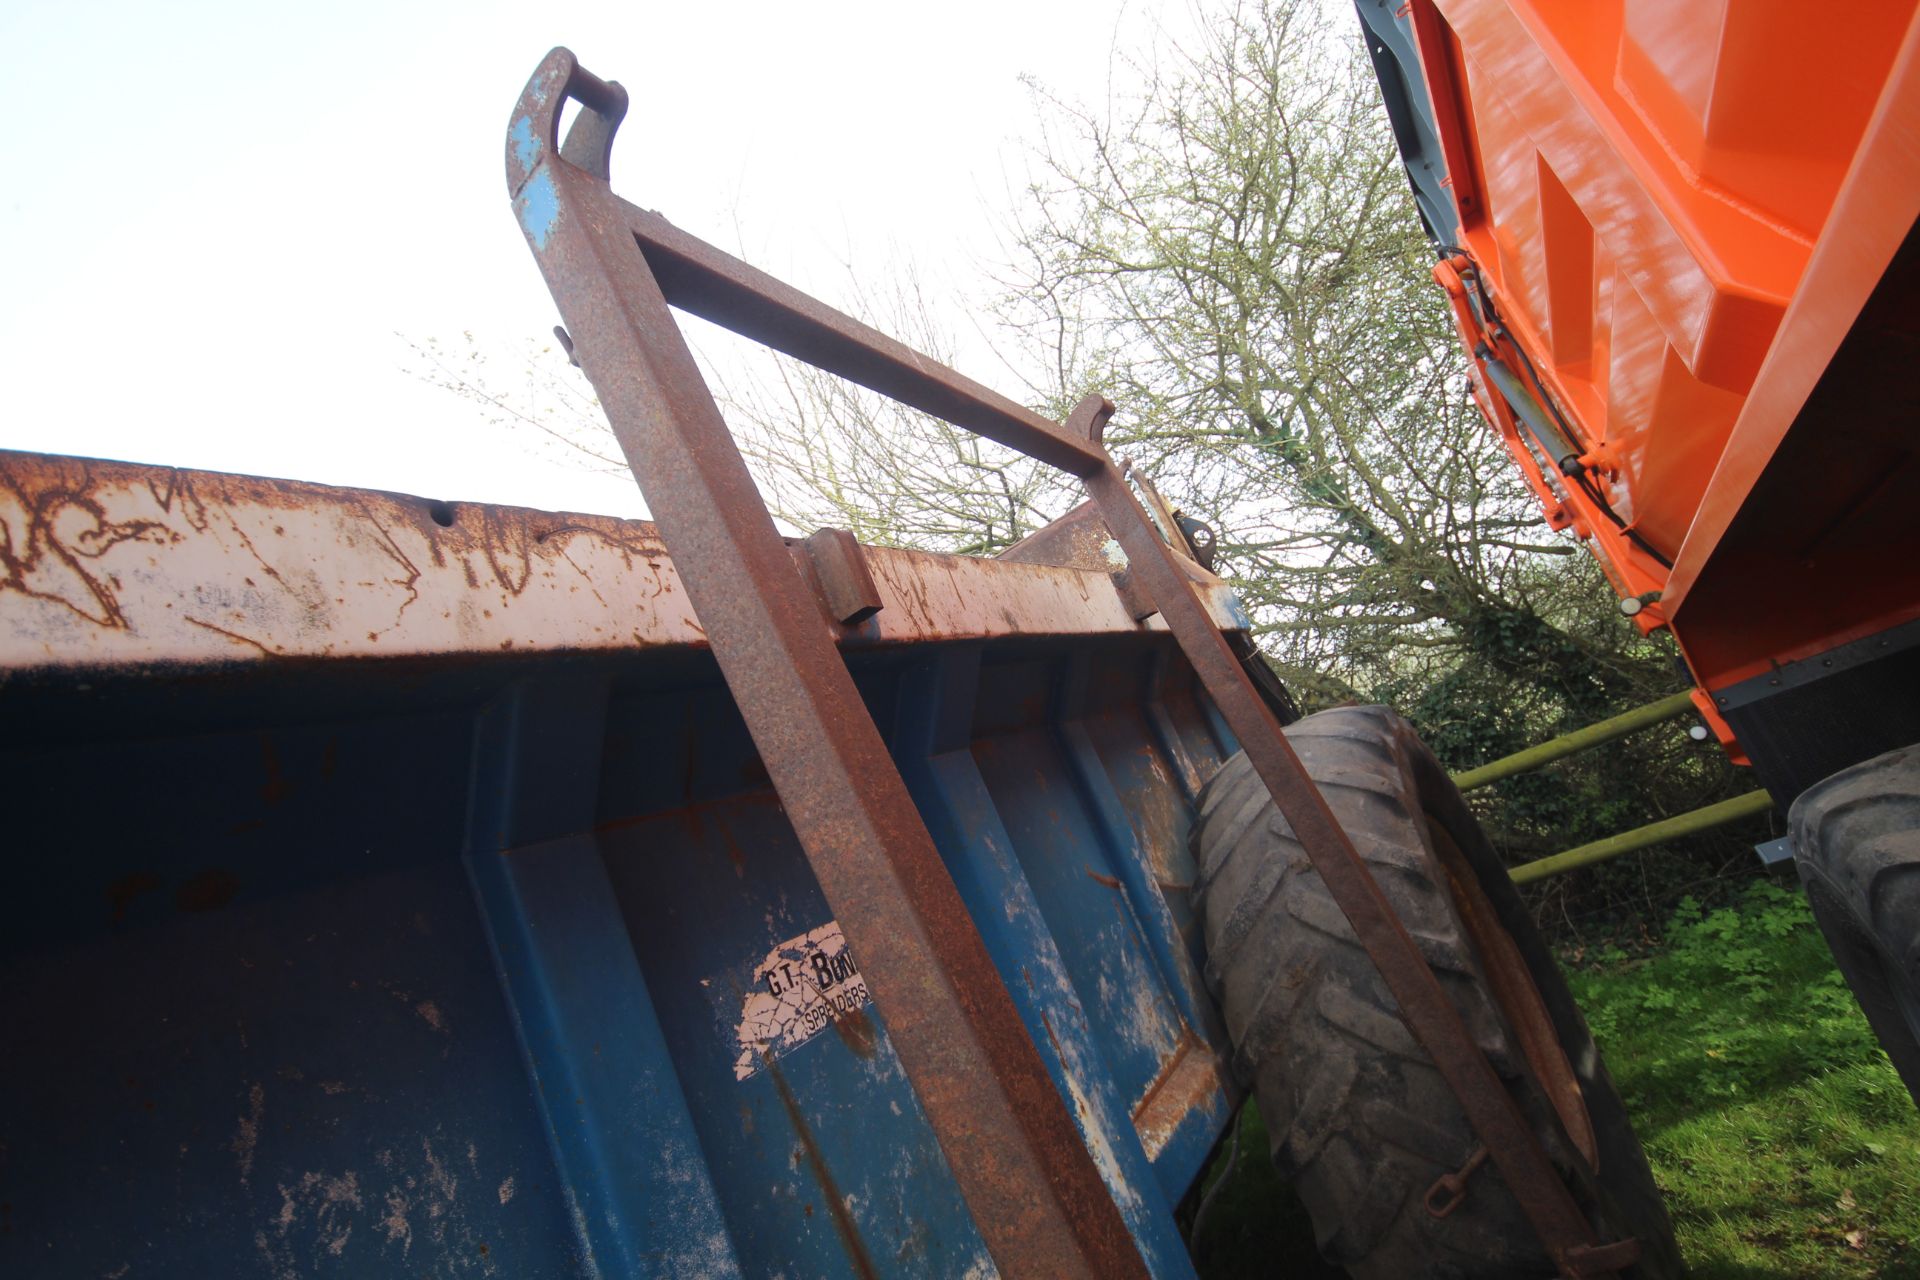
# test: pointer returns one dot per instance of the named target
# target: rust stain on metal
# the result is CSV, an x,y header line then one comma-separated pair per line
x,y
1155,810
1136,599
1082,539
1516,994
1053,1037
689,813
843,1222
935,597
237,638
208,890
107,563
1496,1118
58,533
274,790
1099,878
1189,1079
111,562
122,892
735,854
1077,540
857,1029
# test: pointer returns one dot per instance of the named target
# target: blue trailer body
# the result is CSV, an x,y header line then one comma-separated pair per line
x,y
472,959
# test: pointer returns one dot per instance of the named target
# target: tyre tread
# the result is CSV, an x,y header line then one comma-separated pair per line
x,y
1359,1118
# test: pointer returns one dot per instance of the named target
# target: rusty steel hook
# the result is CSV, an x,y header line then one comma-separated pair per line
x,y
534,133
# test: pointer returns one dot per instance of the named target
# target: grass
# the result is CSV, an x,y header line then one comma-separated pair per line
x,y
1785,1143
1253,1228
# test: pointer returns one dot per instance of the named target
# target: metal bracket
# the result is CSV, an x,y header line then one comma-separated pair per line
x,y
1449,1190
846,583
1584,1262
1135,598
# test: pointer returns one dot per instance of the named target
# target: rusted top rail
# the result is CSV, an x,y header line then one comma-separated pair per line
x,y
117,563
709,283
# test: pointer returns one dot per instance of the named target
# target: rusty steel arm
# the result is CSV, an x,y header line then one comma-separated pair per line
x,y
1432,1018
1029,1183
714,285
1028,1180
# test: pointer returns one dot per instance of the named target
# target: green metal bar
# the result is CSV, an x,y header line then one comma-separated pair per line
x,y
1685,824
1579,740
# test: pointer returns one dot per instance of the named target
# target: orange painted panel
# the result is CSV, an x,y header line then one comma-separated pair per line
x,y
1650,179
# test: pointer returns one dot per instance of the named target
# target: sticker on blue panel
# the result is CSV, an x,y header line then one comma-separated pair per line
x,y
802,986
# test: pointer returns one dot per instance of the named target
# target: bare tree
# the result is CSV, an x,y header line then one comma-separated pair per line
x,y
823,451
827,452
1229,251
531,391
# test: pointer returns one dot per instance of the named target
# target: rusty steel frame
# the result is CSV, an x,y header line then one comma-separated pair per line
x,y
1029,1182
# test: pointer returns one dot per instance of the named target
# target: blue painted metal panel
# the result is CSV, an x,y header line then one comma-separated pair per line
x,y
1142,751
1403,87
937,750
490,967
821,1157
628,1156
321,1083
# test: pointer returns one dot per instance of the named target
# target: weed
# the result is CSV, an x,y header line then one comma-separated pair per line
x,y
1785,1143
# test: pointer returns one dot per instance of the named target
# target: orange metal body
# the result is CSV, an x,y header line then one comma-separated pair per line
x,y
1689,219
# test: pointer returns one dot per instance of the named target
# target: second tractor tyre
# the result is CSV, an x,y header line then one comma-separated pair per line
x,y
1856,841
1360,1121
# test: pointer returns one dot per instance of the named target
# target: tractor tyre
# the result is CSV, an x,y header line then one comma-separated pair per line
x,y
1856,839
1360,1121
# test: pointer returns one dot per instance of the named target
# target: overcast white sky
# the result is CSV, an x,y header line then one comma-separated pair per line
x,y
217,215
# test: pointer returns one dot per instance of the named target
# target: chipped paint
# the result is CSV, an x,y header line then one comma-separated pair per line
x,y
106,563
261,572
525,142
1190,1080
803,986
840,1208
246,1135
1091,1120
399,1231
539,208
1100,1146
